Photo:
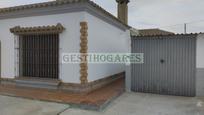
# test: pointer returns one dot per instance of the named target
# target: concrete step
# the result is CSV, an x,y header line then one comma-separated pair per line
x,y
37,83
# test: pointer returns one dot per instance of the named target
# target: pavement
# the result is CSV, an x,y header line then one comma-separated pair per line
x,y
127,104
148,104
20,106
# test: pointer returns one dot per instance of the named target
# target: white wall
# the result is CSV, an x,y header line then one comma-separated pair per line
x,y
105,38
200,51
69,41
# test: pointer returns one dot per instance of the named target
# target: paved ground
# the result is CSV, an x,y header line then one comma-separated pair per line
x,y
147,104
19,106
127,104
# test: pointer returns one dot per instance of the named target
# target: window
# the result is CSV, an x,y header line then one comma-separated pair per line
x,y
38,49
39,55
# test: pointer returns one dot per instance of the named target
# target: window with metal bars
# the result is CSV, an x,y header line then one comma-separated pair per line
x,y
39,56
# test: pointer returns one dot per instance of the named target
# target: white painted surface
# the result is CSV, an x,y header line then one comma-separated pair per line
x,y
200,51
105,38
69,42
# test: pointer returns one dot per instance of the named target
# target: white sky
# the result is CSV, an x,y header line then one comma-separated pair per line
x,y
166,14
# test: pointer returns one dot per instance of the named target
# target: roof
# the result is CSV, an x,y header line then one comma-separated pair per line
x,y
134,32
149,32
26,10
165,36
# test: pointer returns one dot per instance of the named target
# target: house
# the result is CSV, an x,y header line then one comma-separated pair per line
x,y
34,37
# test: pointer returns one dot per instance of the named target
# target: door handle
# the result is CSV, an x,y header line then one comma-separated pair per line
x,y
162,61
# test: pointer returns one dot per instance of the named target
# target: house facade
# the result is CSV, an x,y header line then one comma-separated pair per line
x,y
34,37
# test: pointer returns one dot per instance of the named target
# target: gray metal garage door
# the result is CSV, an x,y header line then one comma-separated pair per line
x,y
169,65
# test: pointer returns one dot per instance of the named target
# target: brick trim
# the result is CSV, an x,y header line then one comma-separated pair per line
x,y
38,30
74,87
83,51
91,86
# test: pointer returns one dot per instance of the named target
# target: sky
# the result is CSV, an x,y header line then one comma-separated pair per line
x,y
143,14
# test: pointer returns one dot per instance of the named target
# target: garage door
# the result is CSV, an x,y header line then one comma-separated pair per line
x,y
169,65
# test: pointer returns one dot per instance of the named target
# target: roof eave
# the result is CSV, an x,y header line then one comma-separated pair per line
x,y
89,6
43,11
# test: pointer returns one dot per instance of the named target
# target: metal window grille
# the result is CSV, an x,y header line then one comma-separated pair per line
x,y
39,55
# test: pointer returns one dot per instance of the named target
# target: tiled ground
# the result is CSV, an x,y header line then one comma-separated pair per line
x,y
93,100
